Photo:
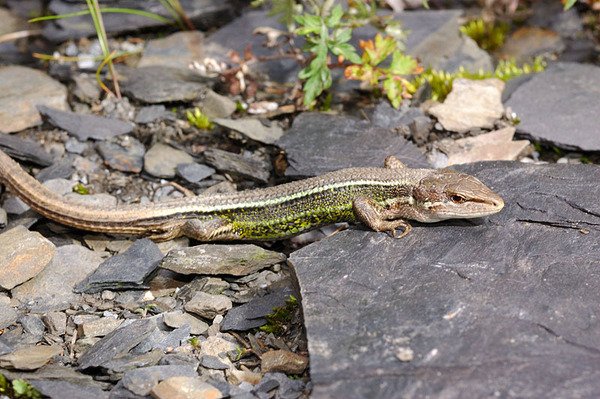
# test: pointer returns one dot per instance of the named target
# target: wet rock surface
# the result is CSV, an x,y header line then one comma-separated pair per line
x,y
456,294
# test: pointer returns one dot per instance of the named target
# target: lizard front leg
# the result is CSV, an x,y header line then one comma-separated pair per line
x,y
378,218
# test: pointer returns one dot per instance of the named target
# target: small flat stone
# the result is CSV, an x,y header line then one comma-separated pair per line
x,y
217,345
100,327
151,113
213,362
185,388
251,315
116,343
125,157
23,255
8,316
283,361
129,269
100,200
141,381
86,88
84,127
161,160
22,90
210,285
288,388
471,104
3,218
208,305
4,346
178,318
66,389
228,162
74,146
253,128
159,84
60,169
215,105
56,322
494,146
528,42
388,117
319,143
194,172
25,150
30,358
214,259
33,325
177,50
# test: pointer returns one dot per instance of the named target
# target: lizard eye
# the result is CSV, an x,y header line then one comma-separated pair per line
x,y
457,199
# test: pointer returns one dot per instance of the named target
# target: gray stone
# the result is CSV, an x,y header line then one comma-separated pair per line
x,y
142,380
559,106
116,343
158,84
177,50
253,128
131,361
208,305
3,218
288,388
319,143
61,169
161,160
194,172
25,150
74,146
56,322
283,361
22,90
528,42
65,389
4,346
178,318
151,113
471,104
99,327
384,115
512,291
127,270
86,88
51,288
251,315
214,259
23,255
84,127
127,156
247,167
32,325
29,357
213,362
185,388
215,105
8,316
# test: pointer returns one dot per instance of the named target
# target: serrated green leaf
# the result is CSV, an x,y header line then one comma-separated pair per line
x,y
312,88
342,35
348,52
402,64
336,16
393,91
569,4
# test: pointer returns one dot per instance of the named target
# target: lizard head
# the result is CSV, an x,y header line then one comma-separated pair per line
x,y
446,194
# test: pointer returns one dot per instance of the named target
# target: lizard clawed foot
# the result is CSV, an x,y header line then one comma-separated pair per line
x,y
378,218
406,228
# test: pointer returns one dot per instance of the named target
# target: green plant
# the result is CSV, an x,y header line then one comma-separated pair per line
x,y
280,317
198,119
17,389
441,81
488,35
194,342
393,77
81,189
324,34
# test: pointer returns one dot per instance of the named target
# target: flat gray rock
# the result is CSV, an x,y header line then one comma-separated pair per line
x,y
142,380
85,127
253,128
128,157
252,314
65,389
159,84
177,50
560,106
8,316
161,160
151,113
22,90
244,166
504,306
127,270
194,172
319,143
25,150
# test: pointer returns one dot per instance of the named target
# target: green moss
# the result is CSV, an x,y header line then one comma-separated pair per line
x,y
195,342
198,119
280,317
81,189
488,35
18,389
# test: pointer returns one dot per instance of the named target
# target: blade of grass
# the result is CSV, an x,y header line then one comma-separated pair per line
x,y
113,10
174,7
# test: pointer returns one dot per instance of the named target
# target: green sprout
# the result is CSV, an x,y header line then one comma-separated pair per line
x,y
280,317
198,119
489,36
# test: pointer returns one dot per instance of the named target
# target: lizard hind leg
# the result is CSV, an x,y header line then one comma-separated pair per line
x,y
209,230
377,217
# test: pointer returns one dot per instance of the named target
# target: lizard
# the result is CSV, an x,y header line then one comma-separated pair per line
x,y
383,199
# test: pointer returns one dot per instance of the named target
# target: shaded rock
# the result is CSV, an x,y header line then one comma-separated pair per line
x,y
215,105
8,316
213,362
56,322
210,285
253,128
251,314
556,106
470,104
116,343
22,90
247,167
177,50
493,146
288,388
86,88
141,381
61,169
33,325
528,42
384,115
283,361
129,269
25,150
84,127
214,259
178,318
51,288
3,218
158,84
194,172
131,361
151,113
4,347
185,388
319,143
208,305
23,255
30,357
100,327
127,156
161,160
65,389
513,291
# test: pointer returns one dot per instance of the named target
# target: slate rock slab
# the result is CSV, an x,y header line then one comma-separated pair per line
x,y
25,150
505,306
126,157
319,143
159,84
252,314
560,106
177,50
22,90
65,389
84,127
